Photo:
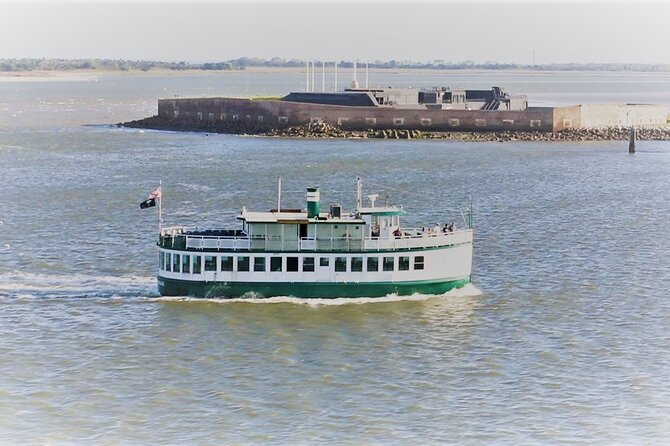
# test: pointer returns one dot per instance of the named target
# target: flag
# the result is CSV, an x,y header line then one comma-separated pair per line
x,y
156,194
148,203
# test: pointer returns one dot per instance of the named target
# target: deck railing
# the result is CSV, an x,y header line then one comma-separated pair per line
x,y
179,238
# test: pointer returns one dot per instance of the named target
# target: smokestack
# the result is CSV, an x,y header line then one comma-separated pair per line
x,y
313,202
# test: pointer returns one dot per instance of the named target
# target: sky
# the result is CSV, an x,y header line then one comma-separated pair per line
x,y
208,31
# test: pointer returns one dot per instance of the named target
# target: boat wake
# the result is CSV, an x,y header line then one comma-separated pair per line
x,y
468,290
29,285
19,285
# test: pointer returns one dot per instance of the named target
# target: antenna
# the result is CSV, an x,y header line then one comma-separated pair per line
x,y
355,81
366,75
279,195
336,75
323,77
312,76
359,193
307,76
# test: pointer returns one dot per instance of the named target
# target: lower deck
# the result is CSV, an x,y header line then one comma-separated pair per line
x,y
321,274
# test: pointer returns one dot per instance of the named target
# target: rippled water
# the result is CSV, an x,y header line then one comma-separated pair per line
x,y
563,338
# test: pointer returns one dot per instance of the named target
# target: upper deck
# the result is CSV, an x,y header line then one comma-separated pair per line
x,y
368,229
190,239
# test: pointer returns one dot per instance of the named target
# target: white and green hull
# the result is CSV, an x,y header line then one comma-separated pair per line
x,y
225,273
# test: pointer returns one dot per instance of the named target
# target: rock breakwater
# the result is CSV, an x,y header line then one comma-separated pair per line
x,y
320,129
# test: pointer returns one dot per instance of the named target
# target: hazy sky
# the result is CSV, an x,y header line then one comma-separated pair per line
x,y
503,31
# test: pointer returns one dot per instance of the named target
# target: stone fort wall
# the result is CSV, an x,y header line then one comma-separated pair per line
x,y
261,115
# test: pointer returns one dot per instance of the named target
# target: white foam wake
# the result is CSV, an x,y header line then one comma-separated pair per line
x,y
468,290
20,284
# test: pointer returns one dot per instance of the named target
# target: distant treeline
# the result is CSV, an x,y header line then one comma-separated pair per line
x,y
243,62
443,65
105,65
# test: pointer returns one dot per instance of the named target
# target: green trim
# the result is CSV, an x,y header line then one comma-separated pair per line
x,y
385,213
322,290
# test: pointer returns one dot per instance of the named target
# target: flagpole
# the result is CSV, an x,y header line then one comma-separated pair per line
x,y
160,207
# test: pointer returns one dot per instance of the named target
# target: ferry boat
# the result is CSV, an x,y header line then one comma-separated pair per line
x,y
316,254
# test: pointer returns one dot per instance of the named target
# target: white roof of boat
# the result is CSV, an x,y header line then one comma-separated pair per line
x,y
292,217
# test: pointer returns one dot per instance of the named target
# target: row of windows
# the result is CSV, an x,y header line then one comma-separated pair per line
x,y
193,264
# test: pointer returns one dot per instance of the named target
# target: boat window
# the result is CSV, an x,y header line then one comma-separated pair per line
x,y
324,261
210,263
185,263
168,261
243,263
340,264
259,264
357,264
308,264
275,263
403,263
273,231
175,262
226,263
291,264
197,264
373,264
418,262
388,263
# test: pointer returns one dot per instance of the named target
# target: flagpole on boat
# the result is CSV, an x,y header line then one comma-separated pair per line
x,y
160,207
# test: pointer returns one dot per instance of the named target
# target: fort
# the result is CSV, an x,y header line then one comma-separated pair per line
x,y
379,109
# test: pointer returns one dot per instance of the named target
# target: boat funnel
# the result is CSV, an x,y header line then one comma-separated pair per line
x,y
313,202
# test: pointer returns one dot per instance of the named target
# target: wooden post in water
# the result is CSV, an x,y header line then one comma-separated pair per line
x,y
631,140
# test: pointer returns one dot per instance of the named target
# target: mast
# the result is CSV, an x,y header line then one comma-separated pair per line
x,y
160,206
355,81
279,195
366,75
359,193
313,69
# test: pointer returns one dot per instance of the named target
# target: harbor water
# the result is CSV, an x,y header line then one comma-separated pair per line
x,y
561,339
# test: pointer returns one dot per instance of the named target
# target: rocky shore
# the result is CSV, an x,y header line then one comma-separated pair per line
x,y
324,130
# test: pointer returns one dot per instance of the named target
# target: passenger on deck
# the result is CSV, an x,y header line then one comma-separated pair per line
x,y
397,232
437,229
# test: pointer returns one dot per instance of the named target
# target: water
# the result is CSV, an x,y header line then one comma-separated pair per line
x,y
562,339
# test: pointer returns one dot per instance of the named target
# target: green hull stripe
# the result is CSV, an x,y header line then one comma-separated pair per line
x,y
173,287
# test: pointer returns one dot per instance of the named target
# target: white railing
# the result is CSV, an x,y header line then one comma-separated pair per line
x,y
419,240
308,244
411,239
216,242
